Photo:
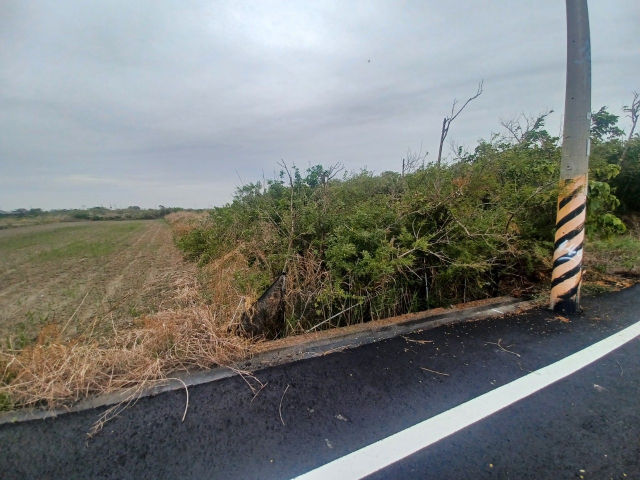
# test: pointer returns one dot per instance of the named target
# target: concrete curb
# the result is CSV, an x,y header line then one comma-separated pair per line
x,y
284,351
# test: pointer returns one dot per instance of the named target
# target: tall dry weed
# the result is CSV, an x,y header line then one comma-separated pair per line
x,y
183,223
218,281
57,372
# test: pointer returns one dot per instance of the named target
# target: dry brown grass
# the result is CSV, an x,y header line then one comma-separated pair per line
x,y
183,223
57,372
218,283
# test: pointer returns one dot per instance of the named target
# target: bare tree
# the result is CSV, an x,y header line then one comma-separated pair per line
x,y
521,126
328,175
460,152
633,112
446,122
413,161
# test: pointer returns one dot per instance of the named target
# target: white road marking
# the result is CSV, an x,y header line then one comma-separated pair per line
x,y
383,453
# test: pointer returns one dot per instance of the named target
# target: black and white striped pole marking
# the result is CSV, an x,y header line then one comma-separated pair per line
x,y
570,236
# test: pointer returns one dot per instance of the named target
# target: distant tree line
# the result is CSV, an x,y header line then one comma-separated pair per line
x,y
90,214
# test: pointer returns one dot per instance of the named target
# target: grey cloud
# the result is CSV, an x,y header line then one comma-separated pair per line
x,y
185,94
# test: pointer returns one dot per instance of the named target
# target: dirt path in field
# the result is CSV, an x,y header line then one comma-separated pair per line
x,y
84,291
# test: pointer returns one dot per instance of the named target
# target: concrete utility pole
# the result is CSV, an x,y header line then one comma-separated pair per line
x,y
567,258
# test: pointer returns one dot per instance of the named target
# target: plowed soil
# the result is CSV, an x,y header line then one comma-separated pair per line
x,y
85,277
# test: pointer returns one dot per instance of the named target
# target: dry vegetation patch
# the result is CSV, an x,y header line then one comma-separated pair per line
x,y
97,348
182,223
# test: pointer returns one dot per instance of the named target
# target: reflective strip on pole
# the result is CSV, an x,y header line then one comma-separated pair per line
x,y
569,241
567,258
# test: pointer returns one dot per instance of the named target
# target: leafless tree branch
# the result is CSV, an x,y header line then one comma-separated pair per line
x,y
446,122
521,126
413,161
292,213
459,151
633,111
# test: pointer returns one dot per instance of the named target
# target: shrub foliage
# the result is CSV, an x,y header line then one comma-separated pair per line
x,y
362,246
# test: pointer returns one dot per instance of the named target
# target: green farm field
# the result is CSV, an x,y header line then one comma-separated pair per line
x,y
86,278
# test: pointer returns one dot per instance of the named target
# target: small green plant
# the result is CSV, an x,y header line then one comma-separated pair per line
x,y
19,340
592,289
617,254
5,402
602,202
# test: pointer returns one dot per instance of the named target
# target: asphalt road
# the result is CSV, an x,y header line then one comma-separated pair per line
x,y
584,425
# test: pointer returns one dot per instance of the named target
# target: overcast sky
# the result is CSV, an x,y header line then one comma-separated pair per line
x,y
173,102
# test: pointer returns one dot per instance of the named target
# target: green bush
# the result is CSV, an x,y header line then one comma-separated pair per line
x,y
368,246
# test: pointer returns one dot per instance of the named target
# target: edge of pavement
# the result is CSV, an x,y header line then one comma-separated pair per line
x,y
292,349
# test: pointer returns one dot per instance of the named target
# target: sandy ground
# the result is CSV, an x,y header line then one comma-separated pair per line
x,y
101,275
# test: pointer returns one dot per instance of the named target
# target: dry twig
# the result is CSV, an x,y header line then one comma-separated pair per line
x,y
422,342
74,313
245,374
433,371
280,408
259,390
504,349
186,390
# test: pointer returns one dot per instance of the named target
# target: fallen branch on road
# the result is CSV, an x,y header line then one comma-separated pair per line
x,y
421,342
503,349
280,408
433,371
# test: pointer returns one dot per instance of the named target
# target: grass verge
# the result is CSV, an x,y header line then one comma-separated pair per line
x,y
105,337
56,372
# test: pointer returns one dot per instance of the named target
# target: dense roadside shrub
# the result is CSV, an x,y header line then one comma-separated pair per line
x,y
367,246
622,173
